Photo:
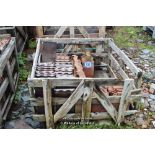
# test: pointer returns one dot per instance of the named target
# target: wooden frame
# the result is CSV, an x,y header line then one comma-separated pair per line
x,y
9,76
19,32
85,87
82,29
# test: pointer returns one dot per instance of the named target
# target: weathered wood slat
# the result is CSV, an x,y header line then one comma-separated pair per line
x,y
75,40
128,85
125,59
60,31
71,28
37,82
77,116
103,99
118,68
71,101
47,103
102,30
6,55
87,100
83,31
35,59
3,87
60,101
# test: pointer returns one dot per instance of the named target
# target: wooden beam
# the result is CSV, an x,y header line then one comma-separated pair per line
x,y
71,101
77,116
39,31
6,55
47,103
71,29
83,31
125,59
75,40
102,31
35,59
117,67
103,99
60,31
87,100
128,85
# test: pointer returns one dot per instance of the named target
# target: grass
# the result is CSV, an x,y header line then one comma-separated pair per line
x,y
32,44
126,37
92,126
23,72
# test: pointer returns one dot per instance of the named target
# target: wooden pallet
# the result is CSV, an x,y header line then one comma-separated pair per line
x,y
71,32
79,104
19,32
8,78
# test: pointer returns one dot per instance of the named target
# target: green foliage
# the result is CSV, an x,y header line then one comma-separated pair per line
x,y
23,72
92,126
32,44
126,36
17,96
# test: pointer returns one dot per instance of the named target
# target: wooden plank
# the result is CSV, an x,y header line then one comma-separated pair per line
x,y
71,28
6,55
60,31
16,77
3,87
35,59
77,116
103,99
83,31
75,40
87,100
60,100
21,31
128,85
71,101
117,67
10,77
102,31
70,82
125,59
47,103
67,48
39,31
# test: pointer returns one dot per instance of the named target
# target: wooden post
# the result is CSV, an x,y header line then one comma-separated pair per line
x,y
102,31
39,31
87,99
47,103
71,28
83,31
60,31
128,85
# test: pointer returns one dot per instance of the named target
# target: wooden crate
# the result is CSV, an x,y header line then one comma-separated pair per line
x,y
19,32
70,31
86,101
8,78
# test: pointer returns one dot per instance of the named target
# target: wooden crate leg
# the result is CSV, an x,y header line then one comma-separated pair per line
x,y
102,31
39,31
87,100
128,85
47,103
